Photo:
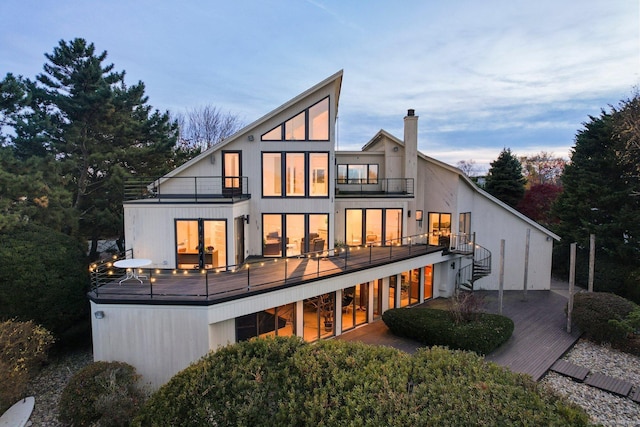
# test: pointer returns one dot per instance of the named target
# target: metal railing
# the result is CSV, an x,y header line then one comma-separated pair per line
x,y
192,188
384,186
253,276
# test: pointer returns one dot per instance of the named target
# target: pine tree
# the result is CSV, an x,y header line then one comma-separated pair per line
x,y
100,130
505,180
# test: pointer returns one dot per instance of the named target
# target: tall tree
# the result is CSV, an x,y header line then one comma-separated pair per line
x,y
505,180
542,168
204,127
597,200
99,129
468,167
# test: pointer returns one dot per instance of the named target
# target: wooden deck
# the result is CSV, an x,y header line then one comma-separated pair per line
x,y
207,287
539,337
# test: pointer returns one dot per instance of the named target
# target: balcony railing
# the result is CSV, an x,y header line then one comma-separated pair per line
x,y
188,188
208,286
387,187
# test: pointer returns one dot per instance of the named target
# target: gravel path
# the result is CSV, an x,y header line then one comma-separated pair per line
x,y
604,408
48,385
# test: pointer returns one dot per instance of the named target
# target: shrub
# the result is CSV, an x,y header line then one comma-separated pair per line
x,y
465,306
437,327
23,349
599,315
102,394
43,277
284,381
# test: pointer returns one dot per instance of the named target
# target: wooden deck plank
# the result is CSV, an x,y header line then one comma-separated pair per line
x,y
539,338
578,373
635,394
610,384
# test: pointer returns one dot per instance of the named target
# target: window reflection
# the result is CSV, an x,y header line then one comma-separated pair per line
x,y
271,174
319,121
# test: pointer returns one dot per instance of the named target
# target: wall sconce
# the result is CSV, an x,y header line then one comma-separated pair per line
x,y
250,137
246,219
409,213
453,265
99,314
419,217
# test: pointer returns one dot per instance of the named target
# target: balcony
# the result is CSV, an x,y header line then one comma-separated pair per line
x,y
187,189
207,287
387,187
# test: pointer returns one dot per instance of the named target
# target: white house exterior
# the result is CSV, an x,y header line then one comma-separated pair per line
x,y
274,232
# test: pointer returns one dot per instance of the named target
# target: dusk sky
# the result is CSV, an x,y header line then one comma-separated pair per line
x,y
482,75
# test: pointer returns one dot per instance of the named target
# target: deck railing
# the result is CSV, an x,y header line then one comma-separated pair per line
x,y
256,275
192,188
402,187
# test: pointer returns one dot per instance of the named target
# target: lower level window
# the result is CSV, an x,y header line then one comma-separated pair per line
x,y
278,321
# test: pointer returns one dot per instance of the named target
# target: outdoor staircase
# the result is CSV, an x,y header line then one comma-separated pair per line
x,y
479,267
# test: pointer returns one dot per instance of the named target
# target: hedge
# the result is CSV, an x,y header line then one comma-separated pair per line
x,y
284,381
437,327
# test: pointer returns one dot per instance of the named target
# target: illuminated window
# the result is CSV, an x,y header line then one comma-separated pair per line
x,y
303,233
464,223
439,228
295,174
374,227
311,124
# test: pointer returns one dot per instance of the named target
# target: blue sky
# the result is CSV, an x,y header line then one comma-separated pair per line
x,y
482,75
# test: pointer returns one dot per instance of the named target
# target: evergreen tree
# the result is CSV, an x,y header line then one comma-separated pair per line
x,y
100,130
505,180
597,200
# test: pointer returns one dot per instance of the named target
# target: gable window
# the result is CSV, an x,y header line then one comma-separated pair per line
x,y
357,174
295,174
311,124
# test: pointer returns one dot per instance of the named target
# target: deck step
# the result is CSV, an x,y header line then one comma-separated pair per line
x,y
610,384
568,369
635,395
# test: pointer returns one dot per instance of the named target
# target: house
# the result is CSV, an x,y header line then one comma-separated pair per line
x,y
274,232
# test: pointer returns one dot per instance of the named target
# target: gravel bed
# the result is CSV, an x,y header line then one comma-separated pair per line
x,y
604,408
47,386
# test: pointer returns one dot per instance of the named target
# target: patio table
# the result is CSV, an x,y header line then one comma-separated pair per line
x,y
132,265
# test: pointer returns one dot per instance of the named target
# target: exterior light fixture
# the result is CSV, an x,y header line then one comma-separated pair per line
x,y
453,265
419,217
99,314
409,213
246,219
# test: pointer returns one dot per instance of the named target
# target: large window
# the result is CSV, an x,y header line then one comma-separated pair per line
x,y
373,226
357,174
304,174
311,124
277,321
439,228
294,234
319,315
201,243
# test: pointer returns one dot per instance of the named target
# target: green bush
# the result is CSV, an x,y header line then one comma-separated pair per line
x,y
101,394
438,327
600,316
284,381
43,277
23,349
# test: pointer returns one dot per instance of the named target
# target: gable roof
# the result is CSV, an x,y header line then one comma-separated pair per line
x,y
378,137
335,79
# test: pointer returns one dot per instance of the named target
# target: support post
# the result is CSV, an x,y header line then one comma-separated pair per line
x,y
592,260
572,281
501,287
526,263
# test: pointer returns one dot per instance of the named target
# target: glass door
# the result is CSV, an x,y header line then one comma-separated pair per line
x,y
200,243
231,170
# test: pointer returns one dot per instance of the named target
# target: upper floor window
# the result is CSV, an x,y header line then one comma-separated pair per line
x,y
358,174
311,124
292,174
